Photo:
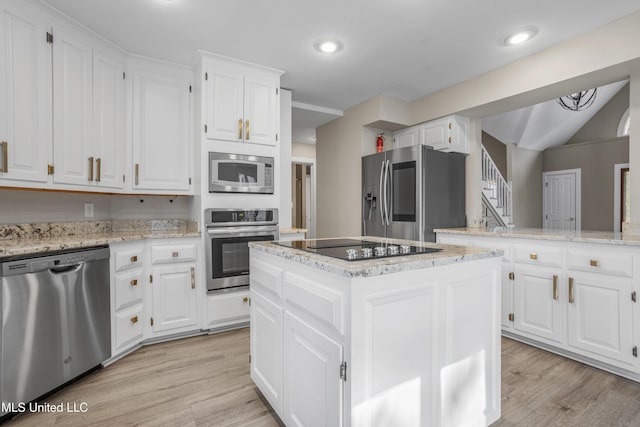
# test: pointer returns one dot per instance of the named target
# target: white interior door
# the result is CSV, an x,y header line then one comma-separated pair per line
x,y
561,200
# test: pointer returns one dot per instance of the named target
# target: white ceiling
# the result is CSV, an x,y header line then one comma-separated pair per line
x,y
547,124
402,48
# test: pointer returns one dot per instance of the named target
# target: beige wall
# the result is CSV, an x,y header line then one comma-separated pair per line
x,y
596,160
525,173
307,151
497,150
604,124
561,69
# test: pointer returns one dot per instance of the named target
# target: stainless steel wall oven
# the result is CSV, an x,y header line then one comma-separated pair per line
x,y
229,232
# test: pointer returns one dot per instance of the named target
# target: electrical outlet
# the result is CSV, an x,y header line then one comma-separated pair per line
x,y
88,210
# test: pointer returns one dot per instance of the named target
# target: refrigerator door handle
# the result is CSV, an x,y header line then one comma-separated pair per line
x,y
387,188
381,194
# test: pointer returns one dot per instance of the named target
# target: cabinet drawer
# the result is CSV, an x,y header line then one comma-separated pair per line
x,y
538,255
128,258
227,307
266,279
173,253
128,288
325,304
128,327
598,262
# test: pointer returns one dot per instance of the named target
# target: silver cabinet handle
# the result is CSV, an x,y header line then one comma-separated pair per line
x,y
4,165
90,168
137,173
98,169
193,277
571,290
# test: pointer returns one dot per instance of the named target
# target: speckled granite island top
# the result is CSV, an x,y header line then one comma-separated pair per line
x,y
21,239
450,254
603,237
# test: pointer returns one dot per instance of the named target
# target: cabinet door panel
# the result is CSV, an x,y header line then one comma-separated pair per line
x,y
536,311
108,120
174,299
600,319
312,374
161,131
25,93
225,116
260,111
266,348
71,108
435,134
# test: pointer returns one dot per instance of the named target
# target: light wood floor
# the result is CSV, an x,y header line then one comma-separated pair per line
x,y
204,381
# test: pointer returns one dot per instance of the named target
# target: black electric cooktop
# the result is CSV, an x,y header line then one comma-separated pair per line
x,y
355,249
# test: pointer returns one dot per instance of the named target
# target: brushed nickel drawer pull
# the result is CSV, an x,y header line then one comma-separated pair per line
x,y
175,254
555,287
4,147
90,168
134,282
134,258
193,277
533,255
594,263
571,290
134,319
98,169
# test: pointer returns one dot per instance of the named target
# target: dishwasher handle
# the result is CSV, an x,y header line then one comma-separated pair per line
x,y
66,269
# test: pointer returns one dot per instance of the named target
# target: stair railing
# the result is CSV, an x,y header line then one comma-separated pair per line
x,y
501,190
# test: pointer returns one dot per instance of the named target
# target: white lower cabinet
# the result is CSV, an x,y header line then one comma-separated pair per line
x,y
127,297
538,310
600,318
174,297
227,309
312,374
153,295
574,298
266,348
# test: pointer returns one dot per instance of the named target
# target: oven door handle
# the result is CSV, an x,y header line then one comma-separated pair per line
x,y
242,232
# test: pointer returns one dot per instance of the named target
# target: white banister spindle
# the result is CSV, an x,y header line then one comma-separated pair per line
x,y
494,181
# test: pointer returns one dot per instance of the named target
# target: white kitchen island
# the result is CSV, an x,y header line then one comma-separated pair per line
x,y
412,340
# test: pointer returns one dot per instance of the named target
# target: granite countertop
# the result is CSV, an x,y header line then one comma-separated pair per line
x,y
292,230
450,254
606,237
22,239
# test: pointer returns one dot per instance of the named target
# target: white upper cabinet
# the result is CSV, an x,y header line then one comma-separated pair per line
x,y
161,136
447,134
242,101
406,137
25,93
108,119
72,108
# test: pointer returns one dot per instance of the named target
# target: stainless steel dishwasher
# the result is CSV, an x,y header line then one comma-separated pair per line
x,y
55,320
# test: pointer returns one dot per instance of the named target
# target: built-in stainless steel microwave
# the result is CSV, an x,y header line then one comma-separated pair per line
x,y
239,173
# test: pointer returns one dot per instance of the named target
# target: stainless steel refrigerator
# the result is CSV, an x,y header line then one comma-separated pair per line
x,y
408,192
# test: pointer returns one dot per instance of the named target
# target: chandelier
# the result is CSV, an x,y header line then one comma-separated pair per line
x,y
579,100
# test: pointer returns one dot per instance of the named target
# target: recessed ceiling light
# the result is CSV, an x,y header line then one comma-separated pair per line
x,y
328,45
520,37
